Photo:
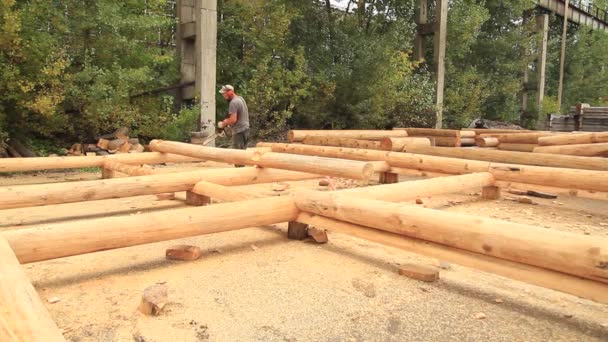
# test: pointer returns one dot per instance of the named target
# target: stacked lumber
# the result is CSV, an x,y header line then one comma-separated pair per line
x,y
376,135
117,142
437,137
578,144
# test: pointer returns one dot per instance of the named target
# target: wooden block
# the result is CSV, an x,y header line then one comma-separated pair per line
x,y
389,178
490,192
318,235
419,272
196,199
297,231
165,196
107,173
153,300
183,252
103,143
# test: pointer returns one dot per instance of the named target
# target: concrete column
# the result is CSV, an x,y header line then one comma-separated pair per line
x,y
421,19
206,44
562,60
441,25
542,26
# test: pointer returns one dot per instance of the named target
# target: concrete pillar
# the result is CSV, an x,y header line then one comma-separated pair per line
x,y
562,59
542,26
421,20
206,44
441,25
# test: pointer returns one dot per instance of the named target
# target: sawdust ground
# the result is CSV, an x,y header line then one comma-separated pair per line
x,y
255,285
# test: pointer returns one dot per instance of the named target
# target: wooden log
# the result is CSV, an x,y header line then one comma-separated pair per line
x,y
12,152
467,134
574,139
490,192
127,169
224,155
398,144
21,149
493,130
557,177
434,132
299,135
196,199
550,160
570,253
411,190
518,138
220,192
51,163
467,142
23,317
589,150
486,142
103,143
79,237
563,282
20,196
342,142
517,147
320,165
445,141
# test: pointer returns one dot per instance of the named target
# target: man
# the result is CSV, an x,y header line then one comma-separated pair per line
x,y
238,117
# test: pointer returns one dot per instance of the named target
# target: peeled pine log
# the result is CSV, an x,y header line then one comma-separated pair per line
x,y
51,163
59,240
410,190
467,142
557,177
574,139
550,160
20,196
493,130
398,144
128,169
23,317
486,142
563,282
325,166
432,132
467,134
518,138
300,135
220,192
342,142
516,147
570,253
445,141
589,150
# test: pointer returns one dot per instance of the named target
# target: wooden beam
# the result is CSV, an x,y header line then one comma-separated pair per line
x,y
20,196
300,135
399,144
58,240
517,147
590,150
220,192
563,178
127,169
23,317
563,282
575,254
574,139
52,163
342,142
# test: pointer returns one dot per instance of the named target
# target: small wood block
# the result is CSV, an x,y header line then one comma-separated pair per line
x,y
165,196
153,300
297,231
183,252
196,199
490,193
318,235
389,178
107,173
418,272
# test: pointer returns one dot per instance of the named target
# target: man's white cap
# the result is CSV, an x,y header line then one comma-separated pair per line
x,y
226,88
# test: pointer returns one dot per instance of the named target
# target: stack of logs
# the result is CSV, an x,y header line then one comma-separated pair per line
x,y
576,144
117,142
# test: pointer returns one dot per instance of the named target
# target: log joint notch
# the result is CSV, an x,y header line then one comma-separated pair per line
x,y
388,178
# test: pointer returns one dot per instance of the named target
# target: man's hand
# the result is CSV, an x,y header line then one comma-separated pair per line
x,y
220,124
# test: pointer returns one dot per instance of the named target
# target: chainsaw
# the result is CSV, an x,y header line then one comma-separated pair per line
x,y
219,132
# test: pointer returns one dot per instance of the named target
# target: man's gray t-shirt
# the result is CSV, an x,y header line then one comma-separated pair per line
x,y
239,106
